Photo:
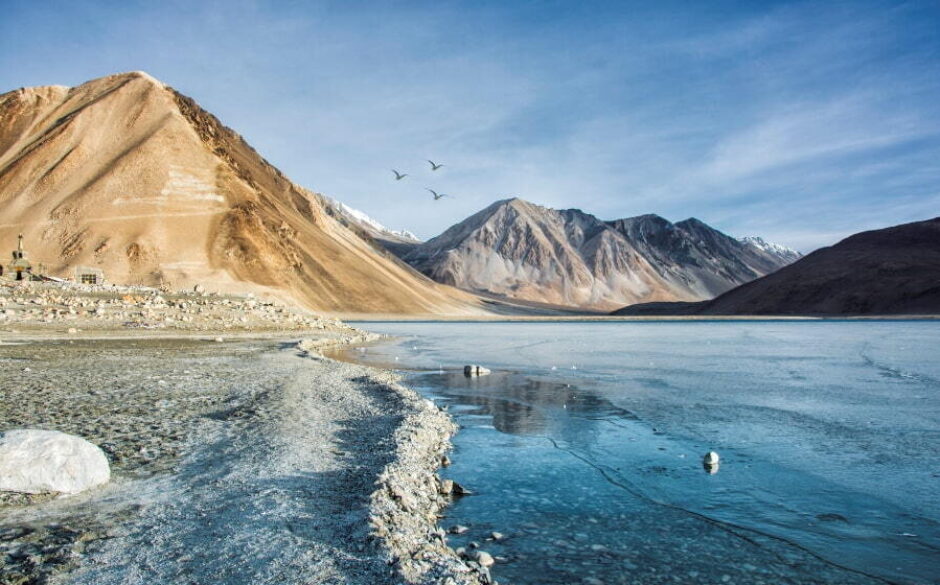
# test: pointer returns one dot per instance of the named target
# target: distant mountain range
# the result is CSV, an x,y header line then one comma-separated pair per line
x,y
396,241
891,271
567,257
126,174
361,219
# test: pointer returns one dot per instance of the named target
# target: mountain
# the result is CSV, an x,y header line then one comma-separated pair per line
x,y
126,174
398,242
692,255
776,249
567,257
891,271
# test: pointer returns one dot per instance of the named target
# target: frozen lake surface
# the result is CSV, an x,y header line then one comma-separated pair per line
x,y
585,447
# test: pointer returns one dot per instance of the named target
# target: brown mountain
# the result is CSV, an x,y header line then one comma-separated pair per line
x,y
892,271
567,257
125,174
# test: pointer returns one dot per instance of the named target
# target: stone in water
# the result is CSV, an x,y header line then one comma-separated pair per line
x,y
484,558
474,370
711,462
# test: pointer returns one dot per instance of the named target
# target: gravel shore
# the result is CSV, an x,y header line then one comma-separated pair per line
x,y
247,461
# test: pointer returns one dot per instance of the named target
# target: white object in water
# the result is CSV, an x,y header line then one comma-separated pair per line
x,y
474,370
711,458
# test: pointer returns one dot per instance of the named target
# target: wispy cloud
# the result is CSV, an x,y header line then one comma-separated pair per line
x,y
812,132
802,122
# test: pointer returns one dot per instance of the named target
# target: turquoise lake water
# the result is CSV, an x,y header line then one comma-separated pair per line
x,y
584,447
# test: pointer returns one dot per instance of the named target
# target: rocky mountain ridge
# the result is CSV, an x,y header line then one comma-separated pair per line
x,y
891,271
568,257
396,241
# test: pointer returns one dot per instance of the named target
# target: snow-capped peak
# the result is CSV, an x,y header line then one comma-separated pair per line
x,y
363,218
762,244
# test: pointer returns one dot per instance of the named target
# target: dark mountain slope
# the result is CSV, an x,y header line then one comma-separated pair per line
x,y
892,271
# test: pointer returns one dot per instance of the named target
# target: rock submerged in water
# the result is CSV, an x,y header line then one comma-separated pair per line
x,y
474,370
35,461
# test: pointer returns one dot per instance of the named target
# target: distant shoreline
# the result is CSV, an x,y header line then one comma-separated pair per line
x,y
611,318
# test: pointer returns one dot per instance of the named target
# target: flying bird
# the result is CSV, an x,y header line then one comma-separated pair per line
x,y
399,176
436,194
434,165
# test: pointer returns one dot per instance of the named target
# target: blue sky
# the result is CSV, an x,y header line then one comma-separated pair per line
x,y
802,122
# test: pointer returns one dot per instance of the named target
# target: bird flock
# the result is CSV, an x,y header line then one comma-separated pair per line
x,y
434,166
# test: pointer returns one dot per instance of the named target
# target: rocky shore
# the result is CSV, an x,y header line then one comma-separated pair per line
x,y
245,461
410,498
73,308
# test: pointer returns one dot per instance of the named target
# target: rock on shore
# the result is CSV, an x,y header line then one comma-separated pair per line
x,y
34,461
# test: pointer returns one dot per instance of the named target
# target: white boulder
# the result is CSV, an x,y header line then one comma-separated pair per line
x,y
35,461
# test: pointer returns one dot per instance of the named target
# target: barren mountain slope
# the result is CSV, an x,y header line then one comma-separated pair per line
x,y
125,174
525,251
693,255
892,271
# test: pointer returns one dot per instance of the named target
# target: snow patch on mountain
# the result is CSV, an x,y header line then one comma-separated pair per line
x,y
363,218
762,244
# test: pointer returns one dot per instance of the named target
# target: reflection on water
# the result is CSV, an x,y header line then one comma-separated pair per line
x,y
524,405
597,475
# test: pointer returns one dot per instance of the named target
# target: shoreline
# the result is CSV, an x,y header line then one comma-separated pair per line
x,y
379,435
409,499
382,318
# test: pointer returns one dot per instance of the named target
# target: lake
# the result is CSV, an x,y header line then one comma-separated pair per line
x,y
584,447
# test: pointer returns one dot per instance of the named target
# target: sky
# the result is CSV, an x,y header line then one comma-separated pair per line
x,y
801,122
